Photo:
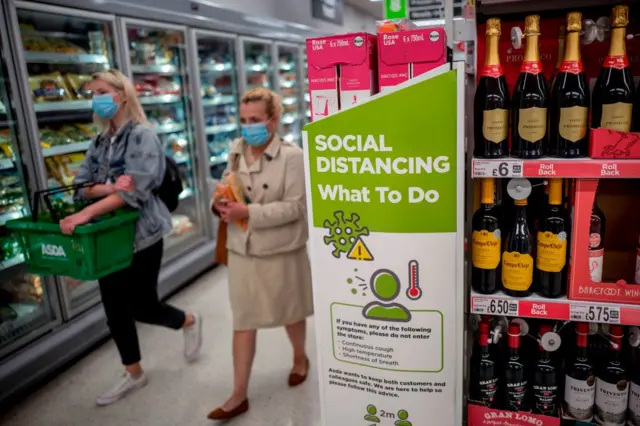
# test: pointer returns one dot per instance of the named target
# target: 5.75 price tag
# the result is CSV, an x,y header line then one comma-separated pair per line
x,y
487,306
595,313
498,168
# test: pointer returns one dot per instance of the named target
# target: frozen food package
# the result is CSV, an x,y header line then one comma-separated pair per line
x,y
49,88
59,45
89,129
79,84
73,133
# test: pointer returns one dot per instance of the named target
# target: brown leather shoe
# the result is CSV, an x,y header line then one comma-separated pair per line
x,y
220,414
298,379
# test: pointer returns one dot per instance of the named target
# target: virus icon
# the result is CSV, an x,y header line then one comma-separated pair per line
x,y
343,233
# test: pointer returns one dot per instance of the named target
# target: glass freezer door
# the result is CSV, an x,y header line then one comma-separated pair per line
x,y
258,65
25,300
62,48
290,85
158,65
219,91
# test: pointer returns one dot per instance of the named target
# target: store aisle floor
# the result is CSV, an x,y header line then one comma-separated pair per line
x,y
179,394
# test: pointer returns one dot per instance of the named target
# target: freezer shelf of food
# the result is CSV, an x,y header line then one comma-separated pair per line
x,y
66,149
166,69
219,100
216,68
64,58
62,106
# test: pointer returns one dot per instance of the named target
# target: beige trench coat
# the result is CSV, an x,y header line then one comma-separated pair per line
x,y
269,271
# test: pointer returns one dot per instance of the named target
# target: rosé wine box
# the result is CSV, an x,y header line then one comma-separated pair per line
x,y
407,54
342,72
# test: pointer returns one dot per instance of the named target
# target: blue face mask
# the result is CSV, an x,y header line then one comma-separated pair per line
x,y
255,134
104,106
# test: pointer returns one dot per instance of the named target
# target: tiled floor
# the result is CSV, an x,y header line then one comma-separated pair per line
x,y
179,394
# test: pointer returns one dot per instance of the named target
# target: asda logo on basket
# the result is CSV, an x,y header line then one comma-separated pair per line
x,y
53,250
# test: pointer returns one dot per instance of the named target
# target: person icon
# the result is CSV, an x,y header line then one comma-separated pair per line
x,y
385,285
403,415
371,414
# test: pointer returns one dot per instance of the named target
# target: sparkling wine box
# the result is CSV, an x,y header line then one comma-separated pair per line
x,y
342,72
606,143
618,200
406,54
479,415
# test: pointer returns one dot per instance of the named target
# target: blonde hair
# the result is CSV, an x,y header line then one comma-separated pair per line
x,y
272,99
132,108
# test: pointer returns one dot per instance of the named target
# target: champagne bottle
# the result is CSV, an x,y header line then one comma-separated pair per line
x,y
530,101
486,242
517,258
561,35
491,103
614,92
551,253
569,131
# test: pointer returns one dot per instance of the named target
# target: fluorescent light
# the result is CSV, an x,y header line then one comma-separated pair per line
x,y
273,23
375,1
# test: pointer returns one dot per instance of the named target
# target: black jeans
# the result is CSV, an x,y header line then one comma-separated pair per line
x,y
132,294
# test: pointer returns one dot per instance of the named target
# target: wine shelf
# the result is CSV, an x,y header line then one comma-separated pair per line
x,y
560,309
584,168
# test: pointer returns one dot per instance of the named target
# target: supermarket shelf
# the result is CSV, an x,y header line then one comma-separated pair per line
x,y
555,167
186,193
62,106
10,216
287,84
9,263
64,58
288,66
170,128
219,100
159,99
7,163
218,159
221,128
66,149
290,100
290,118
155,69
257,68
554,309
216,67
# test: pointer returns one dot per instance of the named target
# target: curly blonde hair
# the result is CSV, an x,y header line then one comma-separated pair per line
x,y
272,99
132,108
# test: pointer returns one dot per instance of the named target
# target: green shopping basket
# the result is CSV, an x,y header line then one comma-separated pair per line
x,y
103,246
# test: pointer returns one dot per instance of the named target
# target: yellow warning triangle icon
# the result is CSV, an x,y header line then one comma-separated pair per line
x,y
359,251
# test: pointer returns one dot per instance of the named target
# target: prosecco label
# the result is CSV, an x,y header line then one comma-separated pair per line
x,y
495,125
532,124
611,402
617,62
617,116
485,249
494,71
517,271
572,67
531,67
551,255
579,397
573,123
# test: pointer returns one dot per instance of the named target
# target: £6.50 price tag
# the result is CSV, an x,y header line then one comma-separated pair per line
x,y
487,306
498,168
591,313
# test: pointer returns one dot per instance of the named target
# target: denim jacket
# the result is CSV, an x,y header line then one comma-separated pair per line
x,y
144,162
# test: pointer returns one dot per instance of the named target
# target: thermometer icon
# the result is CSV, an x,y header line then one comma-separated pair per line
x,y
414,292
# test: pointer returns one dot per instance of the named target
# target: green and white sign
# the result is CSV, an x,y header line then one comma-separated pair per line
x,y
395,9
385,197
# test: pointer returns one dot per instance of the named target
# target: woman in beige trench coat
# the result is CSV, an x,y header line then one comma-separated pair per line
x,y
269,271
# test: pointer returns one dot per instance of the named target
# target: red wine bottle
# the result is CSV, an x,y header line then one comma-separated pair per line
x,y
634,389
596,243
615,91
637,275
569,131
530,101
545,380
516,386
491,103
484,370
486,243
551,252
517,257
612,385
580,383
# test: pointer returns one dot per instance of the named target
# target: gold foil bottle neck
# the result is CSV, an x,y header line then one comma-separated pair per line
x,y
493,27
562,31
532,25
620,16
574,22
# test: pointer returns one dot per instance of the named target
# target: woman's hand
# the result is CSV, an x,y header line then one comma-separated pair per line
x,y
125,184
233,211
69,223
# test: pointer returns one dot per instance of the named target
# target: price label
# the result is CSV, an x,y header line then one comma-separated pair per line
x,y
599,314
498,168
486,306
